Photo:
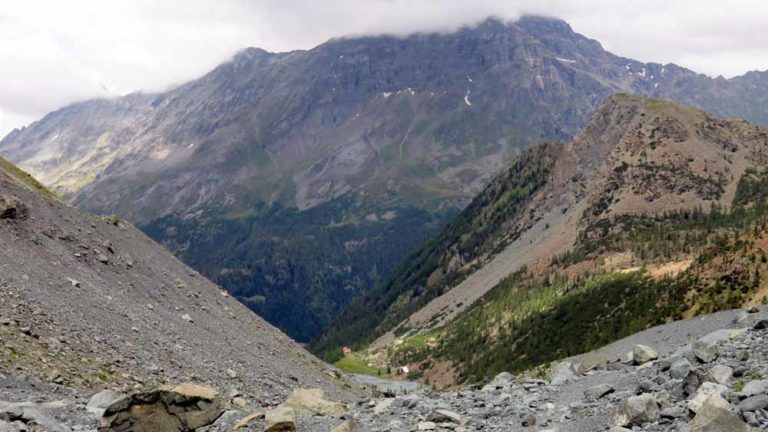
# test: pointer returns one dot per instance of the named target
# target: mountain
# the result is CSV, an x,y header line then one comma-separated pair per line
x,y
89,302
635,222
300,180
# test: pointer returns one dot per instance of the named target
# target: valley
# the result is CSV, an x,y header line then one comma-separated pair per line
x,y
352,153
495,227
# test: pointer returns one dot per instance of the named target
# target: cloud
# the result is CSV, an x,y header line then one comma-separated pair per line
x,y
56,52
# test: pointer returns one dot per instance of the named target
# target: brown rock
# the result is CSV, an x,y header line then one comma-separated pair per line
x,y
281,419
179,409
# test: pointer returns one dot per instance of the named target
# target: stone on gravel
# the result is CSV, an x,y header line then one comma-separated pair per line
x,y
717,419
680,368
710,394
705,352
247,420
598,391
754,403
761,324
754,387
101,401
642,354
280,419
426,425
169,409
562,373
313,402
29,414
636,410
445,416
719,374
239,402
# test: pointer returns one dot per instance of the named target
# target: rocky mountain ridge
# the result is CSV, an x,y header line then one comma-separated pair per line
x,y
629,225
357,146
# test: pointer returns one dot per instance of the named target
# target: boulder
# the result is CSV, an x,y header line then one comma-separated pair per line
x,y
711,394
562,373
169,409
712,418
636,410
598,391
754,387
30,414
719,374
679,368
280,419
426,425
705,352
313,402
754,403
445,416
643,354
101,401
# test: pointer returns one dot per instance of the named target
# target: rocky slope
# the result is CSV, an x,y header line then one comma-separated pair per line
x,y
295,170
88,303
702,374
627,226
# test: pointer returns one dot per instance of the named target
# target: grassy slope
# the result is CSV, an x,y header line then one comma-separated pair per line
x,y
531,319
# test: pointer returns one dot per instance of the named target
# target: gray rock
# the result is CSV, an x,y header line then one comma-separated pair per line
x,y
445,416
754,403
426,425
643,354
716,419
719,374
562,373
705,352
598,391
673,412
102,400
710,394
754,387
636,410
680,368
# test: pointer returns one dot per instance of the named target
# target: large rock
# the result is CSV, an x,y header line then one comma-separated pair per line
x,y
281,419
754,387
704,351
710,394
720,374
445,416
102,400
30,416
598,391
636,410
754,403
680,368
643,354
713,418
170,409
562,373
313,402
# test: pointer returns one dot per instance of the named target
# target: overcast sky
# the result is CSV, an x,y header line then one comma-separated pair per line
x,y
54,52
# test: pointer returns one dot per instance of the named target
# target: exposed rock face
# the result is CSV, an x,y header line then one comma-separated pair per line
x,y
180,409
